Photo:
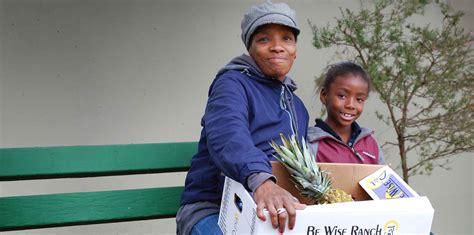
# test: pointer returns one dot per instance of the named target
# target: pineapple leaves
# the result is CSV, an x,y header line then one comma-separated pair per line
x,y
305,174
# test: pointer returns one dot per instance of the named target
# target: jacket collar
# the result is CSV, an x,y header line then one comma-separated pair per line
x,y
322,130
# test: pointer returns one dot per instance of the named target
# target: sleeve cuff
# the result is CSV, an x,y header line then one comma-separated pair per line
x,y
257,179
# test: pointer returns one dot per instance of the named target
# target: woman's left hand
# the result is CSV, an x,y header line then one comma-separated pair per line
x,y
281,205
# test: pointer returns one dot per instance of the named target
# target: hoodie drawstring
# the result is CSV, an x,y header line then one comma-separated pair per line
x,y
282,98
246,71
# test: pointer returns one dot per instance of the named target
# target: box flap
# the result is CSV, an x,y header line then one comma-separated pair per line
x,y
386,184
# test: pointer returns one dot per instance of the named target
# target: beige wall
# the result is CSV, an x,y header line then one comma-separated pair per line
x,y
110,72
1,81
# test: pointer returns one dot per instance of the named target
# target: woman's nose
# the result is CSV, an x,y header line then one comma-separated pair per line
x,y
276,46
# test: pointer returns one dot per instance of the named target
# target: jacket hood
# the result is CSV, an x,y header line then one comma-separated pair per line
x,y
245,63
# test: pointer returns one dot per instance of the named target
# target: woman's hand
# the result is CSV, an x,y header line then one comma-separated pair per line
x,y
280,204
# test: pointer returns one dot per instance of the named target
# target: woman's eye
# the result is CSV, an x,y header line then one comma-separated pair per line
x,y
262,39
288,38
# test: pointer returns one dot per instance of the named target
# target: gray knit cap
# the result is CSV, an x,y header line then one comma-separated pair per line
x,y
267,13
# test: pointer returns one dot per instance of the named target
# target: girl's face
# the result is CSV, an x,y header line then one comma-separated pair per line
x,y
344,101
273,47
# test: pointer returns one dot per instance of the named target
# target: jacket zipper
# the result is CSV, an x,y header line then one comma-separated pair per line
x,y
283,106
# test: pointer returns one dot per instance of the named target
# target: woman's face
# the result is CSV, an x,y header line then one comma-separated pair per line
x,y
273,47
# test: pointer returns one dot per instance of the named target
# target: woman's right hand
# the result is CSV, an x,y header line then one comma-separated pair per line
x,y
281,205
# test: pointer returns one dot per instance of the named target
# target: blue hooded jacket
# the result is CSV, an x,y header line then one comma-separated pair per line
x,y
244,112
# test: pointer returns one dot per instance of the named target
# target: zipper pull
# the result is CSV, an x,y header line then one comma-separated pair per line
x,y
357,154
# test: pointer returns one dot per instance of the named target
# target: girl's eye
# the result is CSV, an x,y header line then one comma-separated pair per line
x,y
342,96
361,99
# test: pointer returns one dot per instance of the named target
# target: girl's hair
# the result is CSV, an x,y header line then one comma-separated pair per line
x,y
341,69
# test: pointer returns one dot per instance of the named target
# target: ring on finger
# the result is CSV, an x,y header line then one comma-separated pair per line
x,y
281,211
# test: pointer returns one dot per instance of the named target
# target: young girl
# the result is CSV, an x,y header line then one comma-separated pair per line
x,y
339,138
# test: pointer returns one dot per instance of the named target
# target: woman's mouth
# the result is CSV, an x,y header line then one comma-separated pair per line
x,y
277,59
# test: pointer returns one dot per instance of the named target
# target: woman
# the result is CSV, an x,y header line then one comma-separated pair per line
x,y
250,103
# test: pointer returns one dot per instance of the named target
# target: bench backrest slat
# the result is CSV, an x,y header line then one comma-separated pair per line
x,y
65,209
41,211
86,161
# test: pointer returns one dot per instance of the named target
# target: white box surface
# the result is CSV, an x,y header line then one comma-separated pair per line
x,y
383,217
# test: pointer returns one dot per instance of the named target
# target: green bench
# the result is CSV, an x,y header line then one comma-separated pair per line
x,y
81,208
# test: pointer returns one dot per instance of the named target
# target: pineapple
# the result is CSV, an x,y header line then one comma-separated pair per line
x,y
308,178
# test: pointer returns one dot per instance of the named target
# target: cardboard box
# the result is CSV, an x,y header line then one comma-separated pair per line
x,y
383,217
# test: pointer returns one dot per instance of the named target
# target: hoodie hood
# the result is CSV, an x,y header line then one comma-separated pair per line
x,y
245,63
316,133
